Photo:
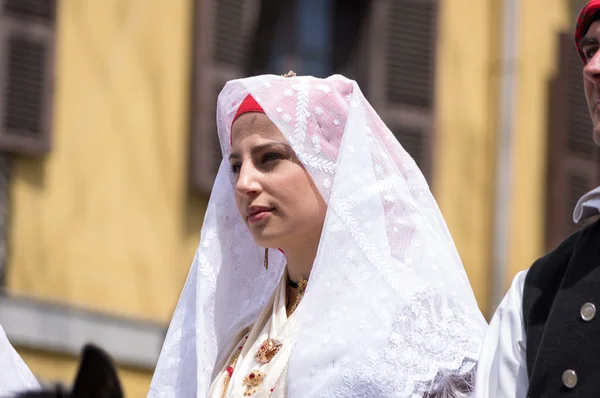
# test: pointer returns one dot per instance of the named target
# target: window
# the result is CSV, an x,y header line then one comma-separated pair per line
x,y
26,72
314,37
236,38
222,32
401,73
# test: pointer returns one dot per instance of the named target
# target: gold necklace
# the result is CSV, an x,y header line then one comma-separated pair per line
x,y
231,366
301,289
229,373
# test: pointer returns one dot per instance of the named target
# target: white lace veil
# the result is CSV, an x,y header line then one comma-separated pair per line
x,y
388,311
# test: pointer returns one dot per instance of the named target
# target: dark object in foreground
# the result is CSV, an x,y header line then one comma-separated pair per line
x,y
96,378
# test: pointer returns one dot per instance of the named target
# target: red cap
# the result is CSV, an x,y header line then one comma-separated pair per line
x,y
587,16
249,104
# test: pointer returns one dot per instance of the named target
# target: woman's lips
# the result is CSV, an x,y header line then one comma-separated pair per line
x,y
258,213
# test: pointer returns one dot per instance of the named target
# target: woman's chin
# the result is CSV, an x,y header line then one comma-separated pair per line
x,y
267,239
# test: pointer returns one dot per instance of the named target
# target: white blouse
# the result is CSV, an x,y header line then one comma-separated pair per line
x,y
248,376
502,366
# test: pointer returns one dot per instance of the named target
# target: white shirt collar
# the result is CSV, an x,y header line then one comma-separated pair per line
x,y
588,206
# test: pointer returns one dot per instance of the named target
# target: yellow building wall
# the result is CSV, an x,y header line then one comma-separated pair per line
x,y
468,86
466,109
106,221
540,23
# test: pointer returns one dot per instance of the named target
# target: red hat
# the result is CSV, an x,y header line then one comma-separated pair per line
x,y
249,104
587,16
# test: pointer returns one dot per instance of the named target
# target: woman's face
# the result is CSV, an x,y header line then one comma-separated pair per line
x,y
274,194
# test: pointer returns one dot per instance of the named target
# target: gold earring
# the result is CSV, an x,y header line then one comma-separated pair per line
x,y
266,258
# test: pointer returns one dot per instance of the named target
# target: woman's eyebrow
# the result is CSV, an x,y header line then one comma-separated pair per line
x,y
258,148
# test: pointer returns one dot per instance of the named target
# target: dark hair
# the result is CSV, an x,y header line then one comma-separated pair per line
x,y
55,392
96,378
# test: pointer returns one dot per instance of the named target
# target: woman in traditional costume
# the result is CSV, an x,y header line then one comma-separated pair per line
x,y
325,268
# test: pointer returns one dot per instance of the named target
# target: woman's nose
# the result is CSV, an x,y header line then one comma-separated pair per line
x,y
247,183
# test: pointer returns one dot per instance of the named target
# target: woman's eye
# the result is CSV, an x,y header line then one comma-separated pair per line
x,y
235,168
271,156
589,52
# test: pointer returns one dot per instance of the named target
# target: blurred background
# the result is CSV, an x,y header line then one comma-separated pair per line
x,y
108,144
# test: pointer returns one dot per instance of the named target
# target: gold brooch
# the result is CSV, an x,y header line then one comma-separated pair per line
x,y
253,381
290,74
267,351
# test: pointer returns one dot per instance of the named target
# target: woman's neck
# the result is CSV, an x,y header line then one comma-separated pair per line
x,y
299,262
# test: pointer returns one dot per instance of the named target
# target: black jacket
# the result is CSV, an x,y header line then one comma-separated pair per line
x,y
561,312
